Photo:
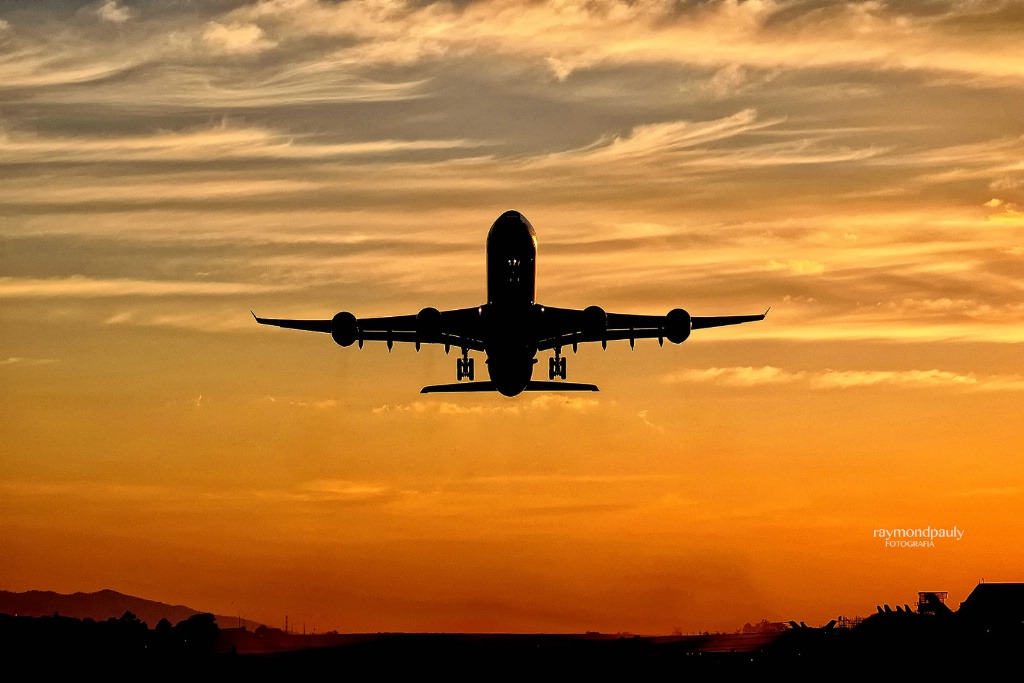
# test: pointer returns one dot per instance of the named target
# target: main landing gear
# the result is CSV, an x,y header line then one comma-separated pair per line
x,y
556,365
464,367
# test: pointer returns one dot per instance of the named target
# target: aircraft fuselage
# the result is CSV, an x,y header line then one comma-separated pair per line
x,y
511,308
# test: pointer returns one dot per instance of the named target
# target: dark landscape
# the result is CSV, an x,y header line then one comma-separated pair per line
x,y
102,605
986,631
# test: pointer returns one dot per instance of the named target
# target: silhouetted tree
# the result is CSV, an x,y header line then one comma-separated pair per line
x,y
162,637
198,633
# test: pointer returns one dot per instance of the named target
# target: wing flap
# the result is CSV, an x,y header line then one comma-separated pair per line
x,y
456,329
610,335
398,336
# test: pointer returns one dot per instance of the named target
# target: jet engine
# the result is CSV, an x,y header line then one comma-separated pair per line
x,y
595,320
677,325
428,323
344,329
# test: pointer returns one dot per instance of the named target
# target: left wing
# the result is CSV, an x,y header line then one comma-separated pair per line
x,y
458,327
564,326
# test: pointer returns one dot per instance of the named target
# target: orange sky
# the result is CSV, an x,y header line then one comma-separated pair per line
x,y
165,168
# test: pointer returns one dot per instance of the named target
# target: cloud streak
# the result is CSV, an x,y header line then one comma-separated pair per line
x,y
746,377
26,362
114,13
543,402
216,143
79,287
576,35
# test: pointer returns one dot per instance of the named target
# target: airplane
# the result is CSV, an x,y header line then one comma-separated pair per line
x,y
511,328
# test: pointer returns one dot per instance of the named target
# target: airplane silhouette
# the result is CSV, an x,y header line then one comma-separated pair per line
x,y
511,328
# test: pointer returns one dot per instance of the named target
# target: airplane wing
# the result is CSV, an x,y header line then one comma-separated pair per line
x,y
460,328
568,326
704,322
463,328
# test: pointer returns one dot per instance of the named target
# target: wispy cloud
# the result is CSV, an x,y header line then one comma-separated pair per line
x,y
695,146
558,478
114,13
236,38
911,378
576,35
849,379
214,143
73,287
26,362
339,490
674,136
797,266
313,491
737,377
541,402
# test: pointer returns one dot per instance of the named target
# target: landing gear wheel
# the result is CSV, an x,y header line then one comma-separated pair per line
x,y
464,368
556,367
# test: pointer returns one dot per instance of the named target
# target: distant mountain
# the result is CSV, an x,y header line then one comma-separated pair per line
x,y
101,606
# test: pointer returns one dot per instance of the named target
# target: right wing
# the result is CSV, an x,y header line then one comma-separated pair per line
x,y
702,322
460,328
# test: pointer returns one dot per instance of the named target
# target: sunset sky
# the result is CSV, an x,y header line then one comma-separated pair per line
x,y
165,166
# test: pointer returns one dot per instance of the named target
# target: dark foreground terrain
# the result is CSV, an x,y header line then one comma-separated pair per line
x,y
984,638
883,644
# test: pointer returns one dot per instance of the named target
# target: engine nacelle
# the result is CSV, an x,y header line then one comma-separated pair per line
x,y
677,325
595,320
344,329
428,323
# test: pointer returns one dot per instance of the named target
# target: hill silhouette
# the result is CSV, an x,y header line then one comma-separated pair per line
x,y
102,605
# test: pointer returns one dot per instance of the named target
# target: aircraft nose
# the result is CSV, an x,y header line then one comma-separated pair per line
x,y
511,216
512,222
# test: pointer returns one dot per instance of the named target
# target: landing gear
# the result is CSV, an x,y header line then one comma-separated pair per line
x,y
556,365
464,367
